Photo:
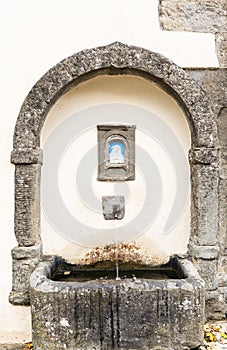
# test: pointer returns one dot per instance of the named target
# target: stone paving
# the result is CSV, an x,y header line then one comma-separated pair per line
x,y
25,346
12,347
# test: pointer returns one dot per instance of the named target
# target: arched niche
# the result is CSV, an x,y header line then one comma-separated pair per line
x,y
159,195
114,59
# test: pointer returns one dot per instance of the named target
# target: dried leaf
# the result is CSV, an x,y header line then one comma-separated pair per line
x,y
224,335
210,337
215,328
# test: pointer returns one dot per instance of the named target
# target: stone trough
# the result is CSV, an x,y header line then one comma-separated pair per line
x,y
85,308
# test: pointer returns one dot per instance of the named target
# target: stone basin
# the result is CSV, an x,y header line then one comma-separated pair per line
x,y
85,308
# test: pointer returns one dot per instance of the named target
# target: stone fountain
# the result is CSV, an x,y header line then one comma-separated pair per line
x,y
93,307
162,308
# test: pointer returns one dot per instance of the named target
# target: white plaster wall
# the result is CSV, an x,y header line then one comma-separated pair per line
x,y
37,34
125,94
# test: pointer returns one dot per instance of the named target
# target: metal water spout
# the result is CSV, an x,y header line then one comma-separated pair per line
x,y
113,207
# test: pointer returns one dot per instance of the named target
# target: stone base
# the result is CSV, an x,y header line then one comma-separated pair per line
x,y
216,306
25,260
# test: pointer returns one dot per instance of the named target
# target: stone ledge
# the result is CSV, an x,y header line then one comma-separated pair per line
x,y
204,252
19,253
27,156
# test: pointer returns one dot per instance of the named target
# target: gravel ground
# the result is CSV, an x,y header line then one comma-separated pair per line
x,y
215,336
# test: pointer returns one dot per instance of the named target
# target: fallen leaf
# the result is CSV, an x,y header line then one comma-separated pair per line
x,y
210,337
215,328
224,335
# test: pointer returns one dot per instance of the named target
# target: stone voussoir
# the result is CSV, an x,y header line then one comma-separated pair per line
x,y
203,155
27,156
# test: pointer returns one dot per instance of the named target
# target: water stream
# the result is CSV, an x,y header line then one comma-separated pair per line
x,y
116,253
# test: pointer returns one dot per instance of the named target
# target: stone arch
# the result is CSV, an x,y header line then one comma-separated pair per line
x,y
114,59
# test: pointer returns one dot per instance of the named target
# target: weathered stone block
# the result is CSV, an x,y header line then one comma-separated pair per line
x,y
216,306
208,270
30,252
126,314
203,155
213,82
222,222
204,204
221,48
27,156
224,266
193,16
204,252
223,167
222,127
24,262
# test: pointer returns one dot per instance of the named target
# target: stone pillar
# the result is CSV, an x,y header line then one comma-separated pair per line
x,y
222,232
204,247
26,221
